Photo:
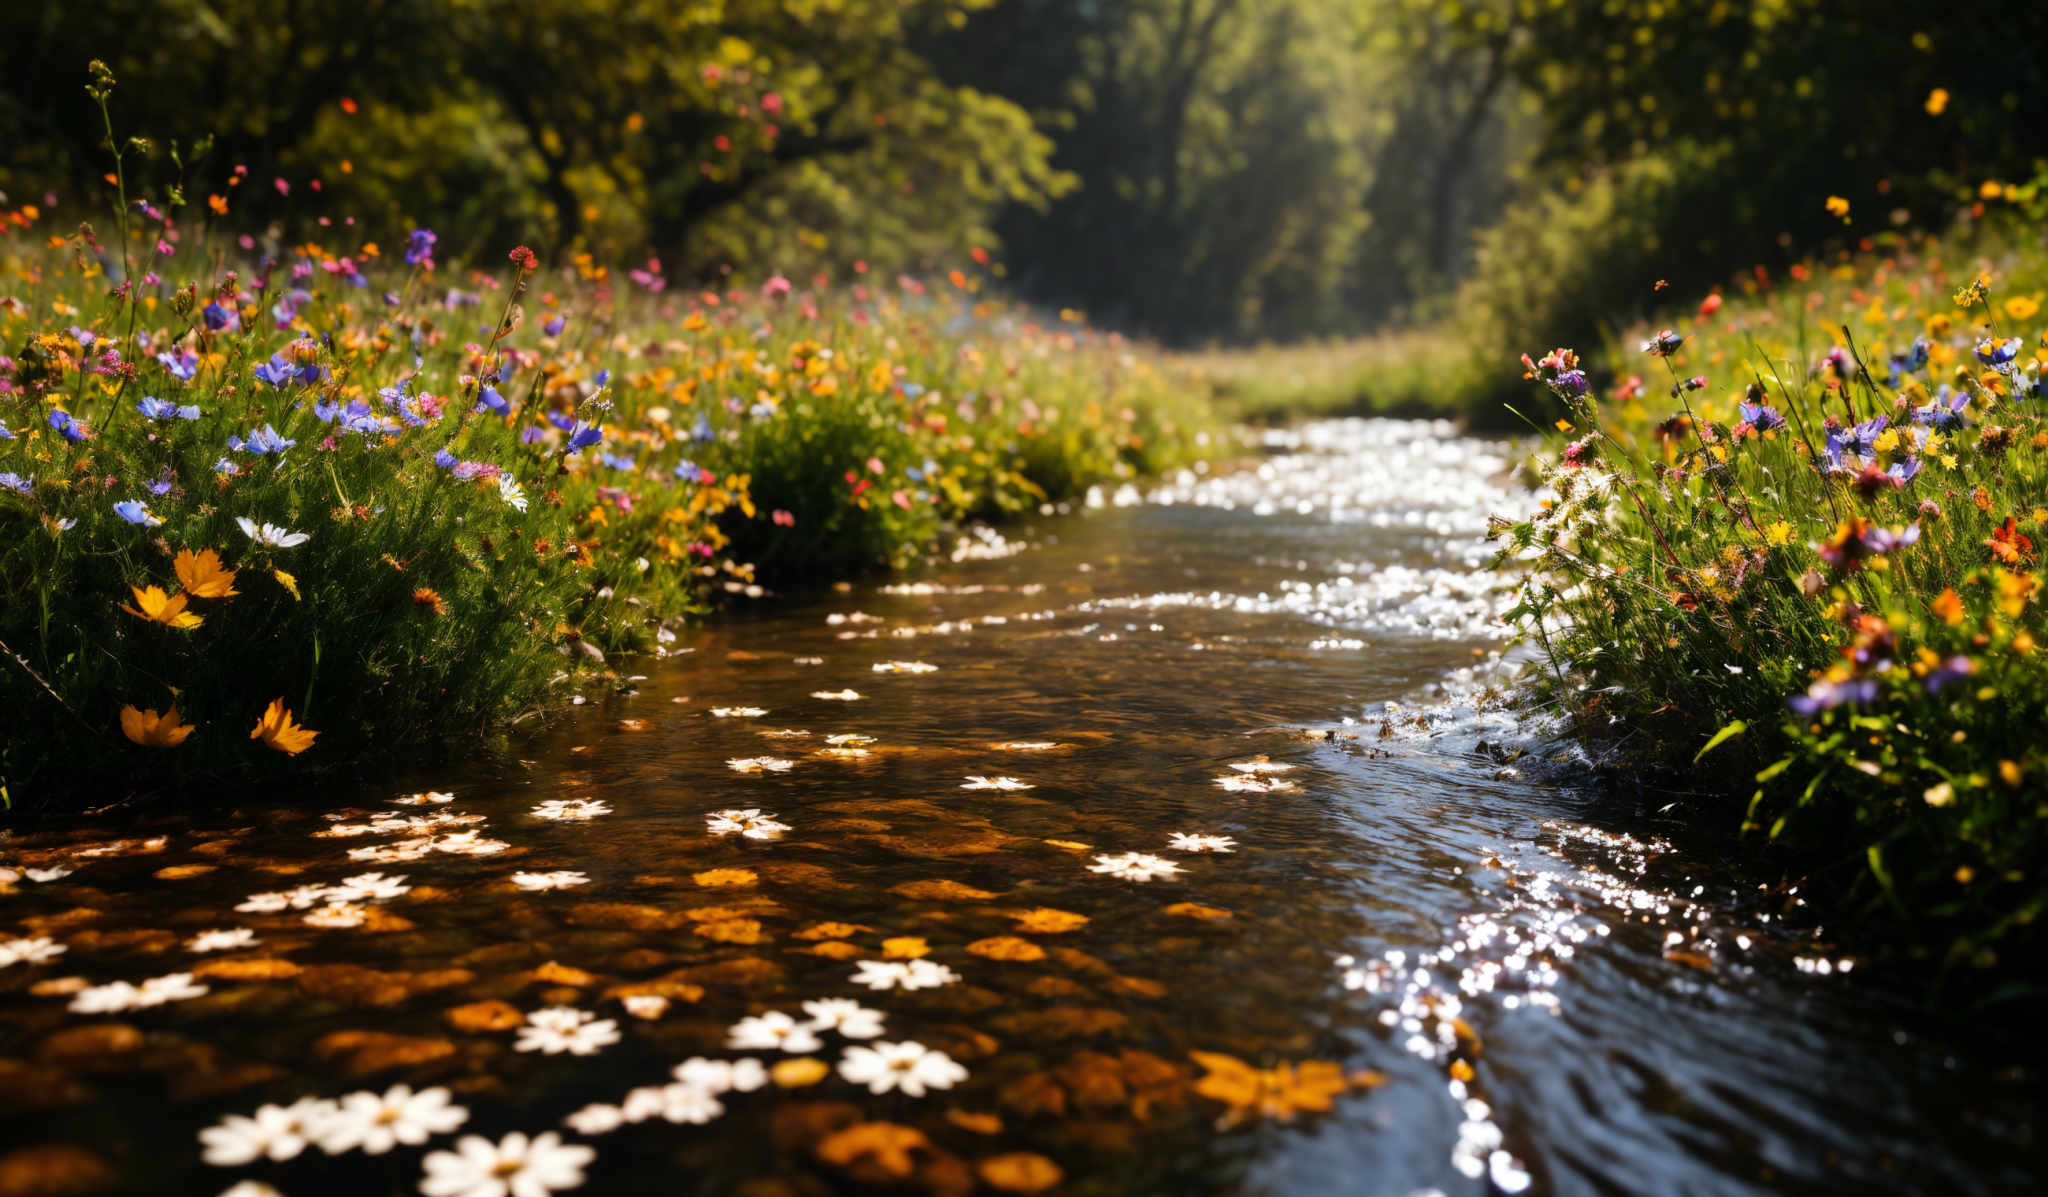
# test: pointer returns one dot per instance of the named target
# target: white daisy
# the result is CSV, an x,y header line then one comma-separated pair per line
x,y
378,1123
773,1031
111,998
172,987
394,853
688,1103
40,950
1255,785
845,1016
903,974
467,843
273,1132
758,764
750,823
1184,842
561,1029
996,783
1134,866
221,941
271,534
366,886
720,1076
572,808
559,879
509,491
512,1167
909,1067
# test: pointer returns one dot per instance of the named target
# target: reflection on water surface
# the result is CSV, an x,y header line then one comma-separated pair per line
x,y
1101,866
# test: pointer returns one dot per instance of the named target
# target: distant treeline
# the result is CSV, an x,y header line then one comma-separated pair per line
x,y
1195,170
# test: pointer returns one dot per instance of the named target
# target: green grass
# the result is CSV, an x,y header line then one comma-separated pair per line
x,y
1425,372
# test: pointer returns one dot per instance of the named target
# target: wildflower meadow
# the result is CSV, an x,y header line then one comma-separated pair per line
x,y
1789,548
266,506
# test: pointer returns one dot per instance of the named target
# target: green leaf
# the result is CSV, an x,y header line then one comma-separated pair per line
x,y
1720,737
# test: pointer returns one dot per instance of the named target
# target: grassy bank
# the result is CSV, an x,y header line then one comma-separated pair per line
x,y
1423,372
1790,546
265,508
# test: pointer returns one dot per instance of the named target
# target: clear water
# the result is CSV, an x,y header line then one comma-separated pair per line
x,y
1559,993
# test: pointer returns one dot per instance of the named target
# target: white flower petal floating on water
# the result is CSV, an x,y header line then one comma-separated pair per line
x,y
908,1067
403,850
1184,842
760,764
428,798
750,823
39,950
221,941
845,1016
572,808
376,1123
1024,745
1134,866
1259,764
720,1076
367,886
648,1006
596,1119
903,974
837,695
904,667
263,904
783,733
273,1132
41,876
559,1029
512,1167
251,1188
773,1031
467,843
1255,785
975,782
739,712
559,879
679,1103
849,739
341,914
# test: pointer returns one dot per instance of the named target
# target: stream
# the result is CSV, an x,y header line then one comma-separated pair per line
x,y
1166,846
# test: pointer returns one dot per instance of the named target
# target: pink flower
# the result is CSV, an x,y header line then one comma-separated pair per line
x,y
283,188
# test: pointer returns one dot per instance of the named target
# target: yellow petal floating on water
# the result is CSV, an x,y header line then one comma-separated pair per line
x,y
795,1074
905,947
724,878
1006,947
940,891
1019,1172
874,1152
1047,921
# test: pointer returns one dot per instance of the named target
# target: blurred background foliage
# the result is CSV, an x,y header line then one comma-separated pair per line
x,y
1202,172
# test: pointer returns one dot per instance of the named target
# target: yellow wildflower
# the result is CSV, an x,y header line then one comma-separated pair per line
x,y
152,730
203,575
158,607
277,730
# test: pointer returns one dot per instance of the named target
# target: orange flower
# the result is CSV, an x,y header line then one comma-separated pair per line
x,y
277,730
2008,544
158,607
430,599
152,730
203,575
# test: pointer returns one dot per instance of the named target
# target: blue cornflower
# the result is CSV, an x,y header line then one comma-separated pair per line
x,y
1911,360
445,459
18,484
1994,352
604,379
136,511
701,430
155,408
912,390
1904,471
563,420
1954,669
1862,439
1761,416
163,484
419,247
261,440
555,325
1825,695
489,399
218,318
583,436
617,463
61,421
532,434
6,433
277,372
686,470
1945,410
182,364
226,468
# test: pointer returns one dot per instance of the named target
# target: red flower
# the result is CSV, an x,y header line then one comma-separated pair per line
x,y
2008,544
523,258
